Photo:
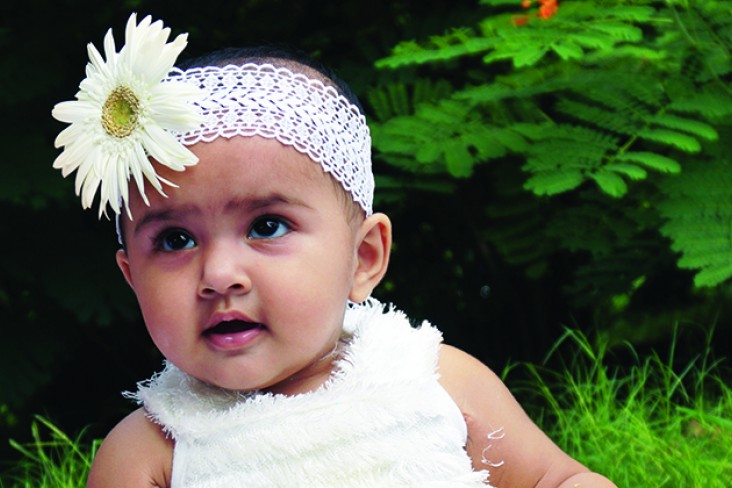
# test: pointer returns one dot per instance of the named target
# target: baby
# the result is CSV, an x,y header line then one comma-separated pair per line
x,y
252,248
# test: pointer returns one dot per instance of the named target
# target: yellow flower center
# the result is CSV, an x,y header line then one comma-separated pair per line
x,y
120,113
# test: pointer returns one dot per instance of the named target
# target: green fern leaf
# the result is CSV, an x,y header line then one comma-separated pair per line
x,y
428,153
610,183
630,13
514,219
593,40
458,160
698,214
630,170
671,138
602,116
627,52
617,30
708,104
651,160
442,49
510,139
567,50
447,112
528,55
399,98
379,103
695,127
485,141
554,182
713,274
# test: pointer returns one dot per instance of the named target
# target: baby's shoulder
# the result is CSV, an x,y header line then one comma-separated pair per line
x,y
136,452
460,373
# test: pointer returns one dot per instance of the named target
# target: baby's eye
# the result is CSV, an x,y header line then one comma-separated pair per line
x,y
268,228
174,240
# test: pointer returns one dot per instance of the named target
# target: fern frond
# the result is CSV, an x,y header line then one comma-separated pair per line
x,y
523,84
691,126
458,160
458,43
632,171
447,135
590,227
621,30
638,96
389,101
651,160
514,222
609,182
698,209
606,231
598,115
568,50
704,36
562,157
554,182
608,275
709,103
713,273
399,98
673,138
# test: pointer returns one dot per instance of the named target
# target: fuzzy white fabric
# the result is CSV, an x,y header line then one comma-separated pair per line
x,y
382,420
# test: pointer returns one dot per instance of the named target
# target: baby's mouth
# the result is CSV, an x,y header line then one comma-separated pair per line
x,y
231,327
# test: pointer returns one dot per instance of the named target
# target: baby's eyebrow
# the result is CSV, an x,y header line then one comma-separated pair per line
x,y
256,203
162,215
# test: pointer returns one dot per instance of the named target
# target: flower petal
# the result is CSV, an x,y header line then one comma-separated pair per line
x,y
73,156
166,149
74,111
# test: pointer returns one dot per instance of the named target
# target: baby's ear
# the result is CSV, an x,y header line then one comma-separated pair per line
x,y
373,248
123,263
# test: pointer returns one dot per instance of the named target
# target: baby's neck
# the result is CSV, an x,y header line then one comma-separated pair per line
x,y
312,376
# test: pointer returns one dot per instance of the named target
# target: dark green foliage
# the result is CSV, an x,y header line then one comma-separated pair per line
x,y
699,213
625,99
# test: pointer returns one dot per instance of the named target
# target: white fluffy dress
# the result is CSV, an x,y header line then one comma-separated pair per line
x,y
381,420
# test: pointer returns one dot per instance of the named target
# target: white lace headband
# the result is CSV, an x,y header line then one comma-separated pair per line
x,y
134,105
273,102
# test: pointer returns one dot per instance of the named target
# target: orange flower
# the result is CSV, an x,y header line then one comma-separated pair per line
x,y
526,3
548,9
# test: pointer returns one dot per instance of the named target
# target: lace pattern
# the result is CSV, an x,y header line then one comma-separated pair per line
x,y
273,102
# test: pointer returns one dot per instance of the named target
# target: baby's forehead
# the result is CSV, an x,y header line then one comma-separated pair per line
x,y
246,165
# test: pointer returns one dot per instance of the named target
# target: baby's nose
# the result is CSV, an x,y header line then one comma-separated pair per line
x,y
223,273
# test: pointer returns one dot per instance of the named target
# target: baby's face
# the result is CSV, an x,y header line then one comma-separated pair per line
x,y
243,273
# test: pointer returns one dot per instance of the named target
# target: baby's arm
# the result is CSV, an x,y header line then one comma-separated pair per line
x,y
501,437
135,454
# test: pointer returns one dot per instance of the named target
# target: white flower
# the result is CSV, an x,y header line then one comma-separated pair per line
x,y
122,115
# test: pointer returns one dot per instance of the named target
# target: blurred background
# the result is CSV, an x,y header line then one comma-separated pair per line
x,y
546,165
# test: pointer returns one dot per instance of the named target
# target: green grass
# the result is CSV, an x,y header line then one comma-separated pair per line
x,y
51,460
648,424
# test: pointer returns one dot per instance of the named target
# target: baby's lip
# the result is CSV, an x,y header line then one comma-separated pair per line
x,y
231,331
